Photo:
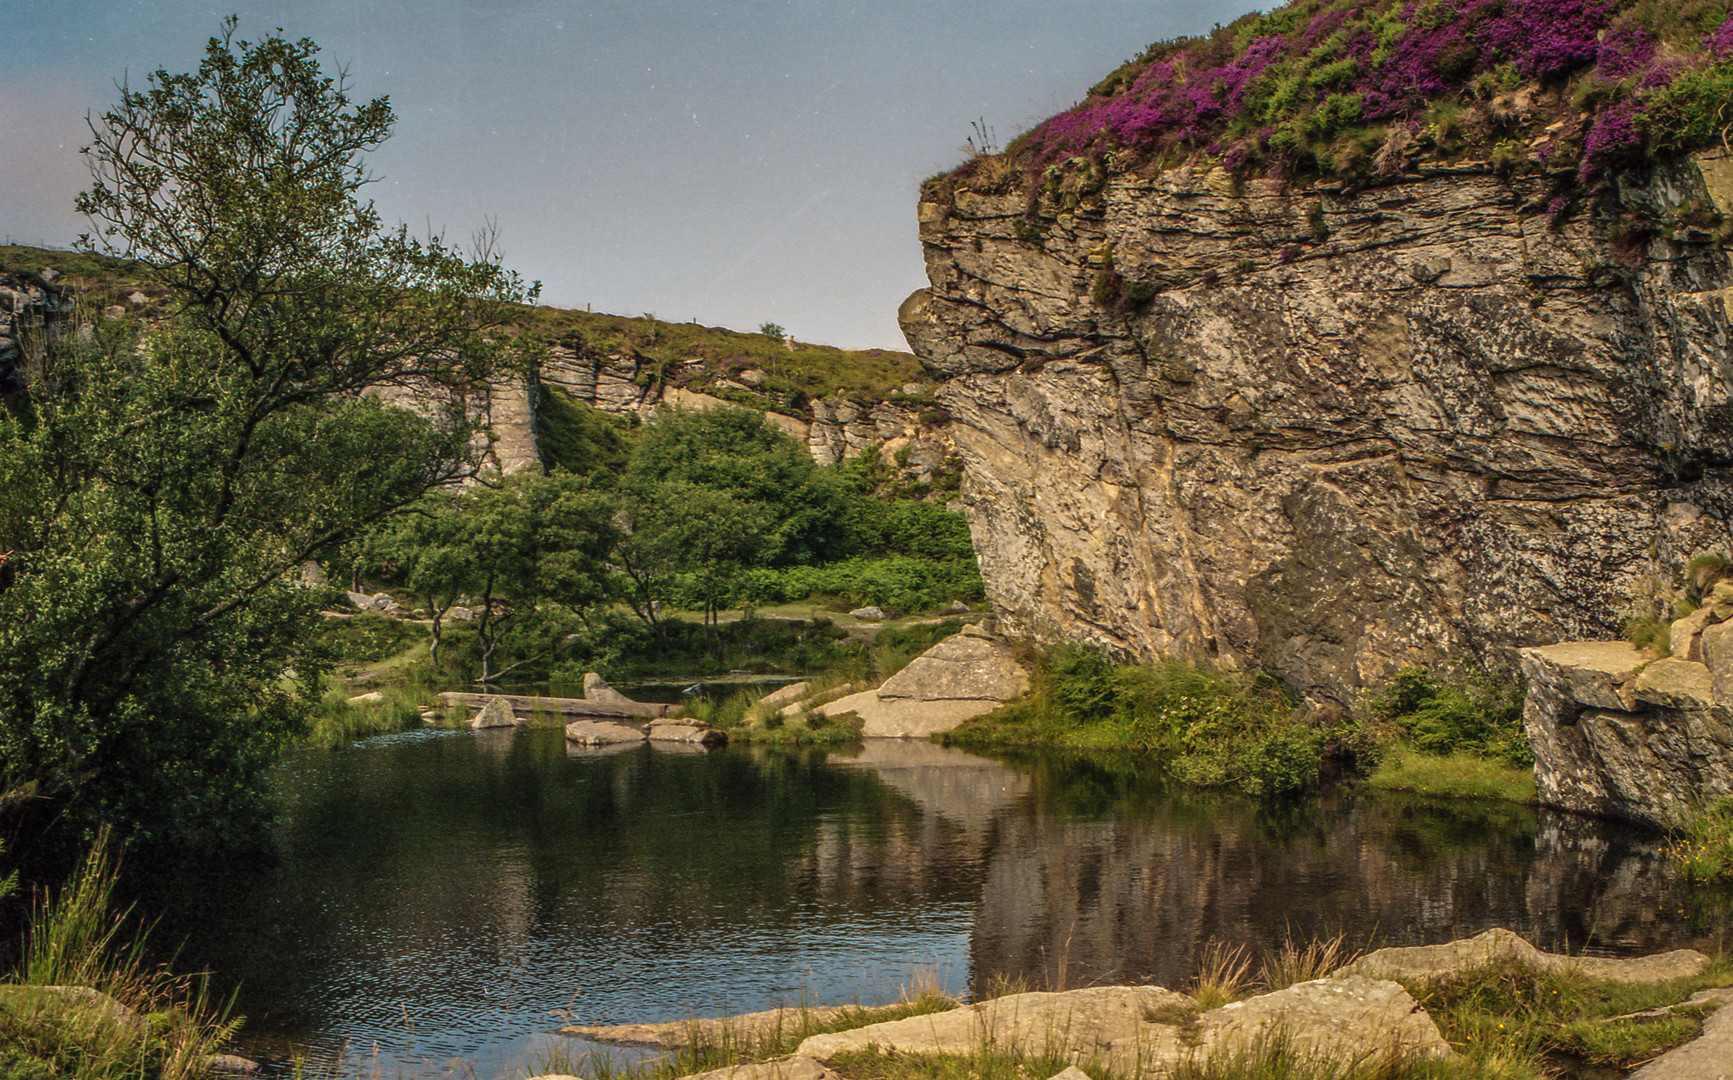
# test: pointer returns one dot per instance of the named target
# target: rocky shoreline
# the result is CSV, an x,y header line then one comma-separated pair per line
x,y
1365,1010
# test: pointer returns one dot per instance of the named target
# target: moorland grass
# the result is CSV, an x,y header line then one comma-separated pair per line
x,y
84,1004
1458,776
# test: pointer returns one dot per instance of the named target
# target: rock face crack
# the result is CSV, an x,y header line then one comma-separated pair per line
x,y
1441,427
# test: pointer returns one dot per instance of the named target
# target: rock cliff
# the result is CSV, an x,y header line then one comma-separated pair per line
x,y
1330,432
907,431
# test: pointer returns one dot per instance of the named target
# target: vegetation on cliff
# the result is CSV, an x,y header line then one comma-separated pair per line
x,y
1578,90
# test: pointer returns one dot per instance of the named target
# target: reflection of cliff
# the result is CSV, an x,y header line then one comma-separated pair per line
x,y
467,884
1138,899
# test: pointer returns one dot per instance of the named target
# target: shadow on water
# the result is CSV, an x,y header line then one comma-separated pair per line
x,y
447,896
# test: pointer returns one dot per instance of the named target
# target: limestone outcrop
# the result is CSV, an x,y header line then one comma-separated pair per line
x,y
963,676
33,311
1329,432
908,429
1617,732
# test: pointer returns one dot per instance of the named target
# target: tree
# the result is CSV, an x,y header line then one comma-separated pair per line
x,y
521,548
155,494
711,492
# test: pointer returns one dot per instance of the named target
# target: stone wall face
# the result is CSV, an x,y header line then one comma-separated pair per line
x,y
31,314
831,429
1619,733
1330,434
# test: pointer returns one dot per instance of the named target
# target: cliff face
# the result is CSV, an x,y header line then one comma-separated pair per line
x,y
1332,434
906,432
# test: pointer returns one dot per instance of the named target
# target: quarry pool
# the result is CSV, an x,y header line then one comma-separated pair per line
x,y
441,900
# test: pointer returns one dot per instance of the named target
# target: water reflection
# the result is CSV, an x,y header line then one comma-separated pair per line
x,y
443,895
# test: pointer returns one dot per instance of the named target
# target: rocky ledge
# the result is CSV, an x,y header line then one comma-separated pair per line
x,y
1357,1013
1617,732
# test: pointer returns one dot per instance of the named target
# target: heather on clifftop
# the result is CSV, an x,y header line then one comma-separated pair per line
x,y
1360,89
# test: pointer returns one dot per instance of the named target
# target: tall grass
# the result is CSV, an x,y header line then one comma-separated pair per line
x,y
1702,841
1295,963
336,721
86,1005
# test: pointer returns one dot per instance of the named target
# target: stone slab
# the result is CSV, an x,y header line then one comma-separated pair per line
x,y
534,705
962,667
495,712
1137,1030
1686,634
1345,1018
1074,1024
1675,684
786,694
1598,674
1716,643
905,718
601,733
686,733
1707,1057
793,1067
672,1034
1428,963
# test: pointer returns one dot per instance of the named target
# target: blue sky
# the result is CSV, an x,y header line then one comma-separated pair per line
x,y
733,163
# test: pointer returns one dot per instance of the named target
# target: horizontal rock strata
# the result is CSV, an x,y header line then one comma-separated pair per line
x,y
1617,732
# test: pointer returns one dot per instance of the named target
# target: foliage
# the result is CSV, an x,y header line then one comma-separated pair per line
x,y
701,357
1215,729
1559,1020
710,493
526,549
1650,632
76,940
1702,841
1477,716
574,438
1321,85
1456,775
1704,572
156,493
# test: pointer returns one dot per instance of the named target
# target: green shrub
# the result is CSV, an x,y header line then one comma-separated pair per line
x,y
1479,716
1214,729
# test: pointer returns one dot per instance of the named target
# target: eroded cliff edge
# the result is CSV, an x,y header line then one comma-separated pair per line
x,y
1333,433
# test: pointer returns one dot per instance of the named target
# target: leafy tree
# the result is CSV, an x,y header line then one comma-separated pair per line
x,y
156,494
739,452
520,549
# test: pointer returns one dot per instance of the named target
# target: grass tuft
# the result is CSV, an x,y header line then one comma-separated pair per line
x,y
1224,975
84,1005
1294,963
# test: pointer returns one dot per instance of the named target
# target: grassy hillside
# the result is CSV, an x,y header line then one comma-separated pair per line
x,y
1580,90
778,374
782,375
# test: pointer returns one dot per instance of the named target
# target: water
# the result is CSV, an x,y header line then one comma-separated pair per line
x,y
452,897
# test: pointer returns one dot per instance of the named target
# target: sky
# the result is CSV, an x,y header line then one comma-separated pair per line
x,y
732,163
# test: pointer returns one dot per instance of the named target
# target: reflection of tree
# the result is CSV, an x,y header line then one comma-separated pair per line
x,y
450,868
484,880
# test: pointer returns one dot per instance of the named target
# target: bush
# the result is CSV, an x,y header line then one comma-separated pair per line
x,y
1703,841
1215,729
1479,716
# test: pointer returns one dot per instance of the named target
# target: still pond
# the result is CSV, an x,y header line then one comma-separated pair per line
x,y
442,900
